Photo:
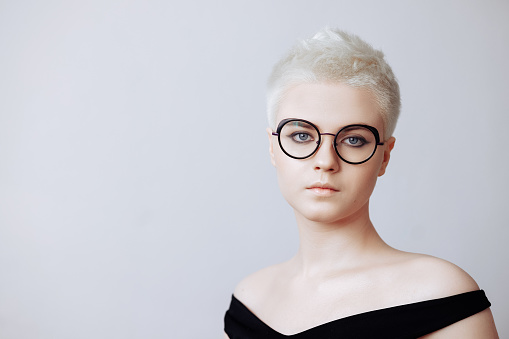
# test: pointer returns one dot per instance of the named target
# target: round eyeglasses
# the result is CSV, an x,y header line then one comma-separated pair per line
x,y
354,144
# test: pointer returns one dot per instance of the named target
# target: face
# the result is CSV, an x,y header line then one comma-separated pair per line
x,y
322,187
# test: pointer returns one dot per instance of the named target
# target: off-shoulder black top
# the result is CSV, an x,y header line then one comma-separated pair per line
x,y
404,321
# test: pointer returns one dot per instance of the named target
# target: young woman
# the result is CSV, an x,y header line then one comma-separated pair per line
x,y
333,103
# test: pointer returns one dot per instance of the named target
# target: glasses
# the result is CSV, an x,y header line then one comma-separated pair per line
x,y
354,144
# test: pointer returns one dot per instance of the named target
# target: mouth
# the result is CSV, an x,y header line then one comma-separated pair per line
x,y
322,189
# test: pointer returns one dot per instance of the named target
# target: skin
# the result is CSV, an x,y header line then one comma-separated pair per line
x,y
342,266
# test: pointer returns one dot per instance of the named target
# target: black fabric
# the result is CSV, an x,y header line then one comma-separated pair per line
x,y
405,321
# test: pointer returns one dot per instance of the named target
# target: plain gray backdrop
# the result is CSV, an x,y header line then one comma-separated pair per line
x,y
135,183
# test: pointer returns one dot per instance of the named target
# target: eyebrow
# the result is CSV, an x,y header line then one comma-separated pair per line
x,y
301,124
349,128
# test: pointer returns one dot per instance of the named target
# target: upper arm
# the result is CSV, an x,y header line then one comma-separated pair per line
x,y
477,326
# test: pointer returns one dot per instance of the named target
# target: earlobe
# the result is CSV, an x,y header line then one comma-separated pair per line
x,y
389,145
271,146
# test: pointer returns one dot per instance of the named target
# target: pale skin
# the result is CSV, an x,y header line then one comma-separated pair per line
x,y
342,266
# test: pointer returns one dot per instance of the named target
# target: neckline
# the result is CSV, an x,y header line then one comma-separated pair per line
x,y
359,316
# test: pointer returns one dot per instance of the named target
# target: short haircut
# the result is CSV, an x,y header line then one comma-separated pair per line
x,y
334,56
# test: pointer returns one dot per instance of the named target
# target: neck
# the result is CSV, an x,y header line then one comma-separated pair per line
x,y
328,248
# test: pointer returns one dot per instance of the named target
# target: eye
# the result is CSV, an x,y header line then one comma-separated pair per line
x,y
354,141
301,137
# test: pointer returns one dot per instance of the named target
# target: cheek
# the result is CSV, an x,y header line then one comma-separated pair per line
x,y
365,184
365,178
289,176
285,170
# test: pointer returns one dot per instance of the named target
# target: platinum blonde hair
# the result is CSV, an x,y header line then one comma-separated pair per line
x,y
336,56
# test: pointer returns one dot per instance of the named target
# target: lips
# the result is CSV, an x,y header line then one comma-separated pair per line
x,y
322,189
324,186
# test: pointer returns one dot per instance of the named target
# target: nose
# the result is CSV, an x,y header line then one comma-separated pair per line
x,y
325,159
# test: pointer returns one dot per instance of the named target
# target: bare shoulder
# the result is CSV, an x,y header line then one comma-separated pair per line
x,y
437,278
441,277
252,289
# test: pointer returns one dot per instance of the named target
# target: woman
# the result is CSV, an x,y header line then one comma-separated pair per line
x,y
333,103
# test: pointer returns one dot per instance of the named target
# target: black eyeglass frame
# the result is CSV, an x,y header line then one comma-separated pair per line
x,y
319,142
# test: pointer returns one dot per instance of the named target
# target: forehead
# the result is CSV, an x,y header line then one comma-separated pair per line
x,y
330,106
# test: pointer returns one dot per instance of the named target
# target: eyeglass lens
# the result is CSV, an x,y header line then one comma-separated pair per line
x,y
354,144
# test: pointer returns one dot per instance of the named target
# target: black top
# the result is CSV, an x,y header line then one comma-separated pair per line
x,y
405,321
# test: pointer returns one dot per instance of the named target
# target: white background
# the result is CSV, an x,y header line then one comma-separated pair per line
x,y
135,182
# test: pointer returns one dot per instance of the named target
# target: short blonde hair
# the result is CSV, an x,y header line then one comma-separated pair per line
x,y
333,55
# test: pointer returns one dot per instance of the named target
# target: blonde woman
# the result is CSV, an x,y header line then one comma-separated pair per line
x,y
333,104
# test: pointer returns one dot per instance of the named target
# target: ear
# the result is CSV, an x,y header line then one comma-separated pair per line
x,y
389,145
271,146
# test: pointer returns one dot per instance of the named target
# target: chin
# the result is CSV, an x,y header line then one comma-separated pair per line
x,y
330,213
324,219
324,215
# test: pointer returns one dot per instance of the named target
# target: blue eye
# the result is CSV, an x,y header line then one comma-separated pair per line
x,y
301,137
354,141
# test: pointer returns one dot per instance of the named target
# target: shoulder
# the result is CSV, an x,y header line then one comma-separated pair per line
x,y
429,277
442,279
252,289
413,277
432,278
419,277
437,278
